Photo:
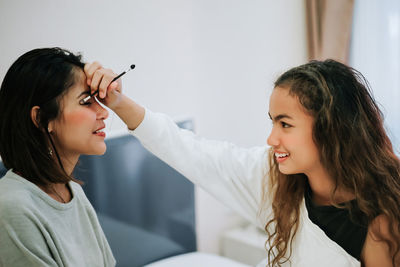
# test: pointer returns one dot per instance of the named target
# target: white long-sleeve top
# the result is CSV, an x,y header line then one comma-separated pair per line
x,y
235,176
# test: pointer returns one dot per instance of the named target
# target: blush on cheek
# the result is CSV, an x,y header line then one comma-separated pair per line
x,y
79,118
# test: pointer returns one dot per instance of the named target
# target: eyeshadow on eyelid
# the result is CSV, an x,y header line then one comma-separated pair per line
x,y
84,93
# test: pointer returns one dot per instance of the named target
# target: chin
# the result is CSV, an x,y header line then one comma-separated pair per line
x,y
98,151
103,151
286,171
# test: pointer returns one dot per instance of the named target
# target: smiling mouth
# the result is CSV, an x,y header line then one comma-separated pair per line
x,y
100,133
281,155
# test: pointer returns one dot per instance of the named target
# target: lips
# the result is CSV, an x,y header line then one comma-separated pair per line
x,y
99,132
281,156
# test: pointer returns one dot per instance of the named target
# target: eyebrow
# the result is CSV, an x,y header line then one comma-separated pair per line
x,y
84,93
279,117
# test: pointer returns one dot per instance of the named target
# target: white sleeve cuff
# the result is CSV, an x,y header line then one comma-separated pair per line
x,y
149,128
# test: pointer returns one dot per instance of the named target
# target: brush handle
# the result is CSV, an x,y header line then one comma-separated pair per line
x,y
97,91
83,101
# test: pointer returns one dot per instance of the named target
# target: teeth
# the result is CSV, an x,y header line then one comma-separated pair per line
x,y
98,131
281,155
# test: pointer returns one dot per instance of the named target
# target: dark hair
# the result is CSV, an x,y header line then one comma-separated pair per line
x,y
39,77
353,145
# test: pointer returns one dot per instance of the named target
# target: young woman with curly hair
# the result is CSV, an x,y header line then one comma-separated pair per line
x,y
326,191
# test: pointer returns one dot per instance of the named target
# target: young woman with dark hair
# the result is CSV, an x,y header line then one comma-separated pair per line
x,y
45,217
327,191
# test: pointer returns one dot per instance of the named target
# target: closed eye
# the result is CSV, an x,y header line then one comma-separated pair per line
x,y
87,103
82,96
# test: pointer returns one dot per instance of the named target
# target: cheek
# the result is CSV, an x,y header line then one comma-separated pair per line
x,y
310,151
80,118
303,145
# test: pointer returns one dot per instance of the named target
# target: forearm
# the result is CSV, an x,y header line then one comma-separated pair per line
x,y
230,173
130,112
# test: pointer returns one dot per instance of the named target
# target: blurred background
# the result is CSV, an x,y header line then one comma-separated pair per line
x,y
214,61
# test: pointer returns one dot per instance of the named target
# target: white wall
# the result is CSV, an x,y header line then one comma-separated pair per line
x,y
212,60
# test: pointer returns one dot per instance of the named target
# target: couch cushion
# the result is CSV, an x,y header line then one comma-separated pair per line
x,y
131,185
133,246
3,169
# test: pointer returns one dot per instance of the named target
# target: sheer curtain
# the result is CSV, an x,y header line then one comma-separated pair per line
x,y
375,52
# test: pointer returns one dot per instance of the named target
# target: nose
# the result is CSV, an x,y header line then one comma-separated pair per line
x,y
101,113
273,139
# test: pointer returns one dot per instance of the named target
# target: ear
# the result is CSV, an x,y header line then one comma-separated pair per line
x,y
35,115
35,119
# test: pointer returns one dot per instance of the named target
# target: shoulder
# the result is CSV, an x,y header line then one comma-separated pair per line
x,y
78,191
376,250
15,204
77,188
17,212
16,198
13,195
80,195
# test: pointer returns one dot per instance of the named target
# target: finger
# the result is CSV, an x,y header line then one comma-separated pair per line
x,y
96,80
90,69
108,76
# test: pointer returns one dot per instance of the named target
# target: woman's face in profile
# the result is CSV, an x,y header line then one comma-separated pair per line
x,y
291,135
79,128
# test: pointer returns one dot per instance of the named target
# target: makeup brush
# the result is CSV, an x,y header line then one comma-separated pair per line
x,y
86,99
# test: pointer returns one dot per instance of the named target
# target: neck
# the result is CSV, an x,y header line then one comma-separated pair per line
x,y
69,163
59,192
62,193
322,186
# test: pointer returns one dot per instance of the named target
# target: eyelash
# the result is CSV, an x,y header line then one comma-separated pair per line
x,y
87,103
283,124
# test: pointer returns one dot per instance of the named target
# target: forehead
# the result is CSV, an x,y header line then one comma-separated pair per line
x,y
79,81
79,84
76,89
281,102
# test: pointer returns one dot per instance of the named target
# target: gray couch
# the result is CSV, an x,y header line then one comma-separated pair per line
x,y
146,208
2,169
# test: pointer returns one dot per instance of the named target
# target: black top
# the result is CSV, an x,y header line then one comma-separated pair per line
x,y
347,231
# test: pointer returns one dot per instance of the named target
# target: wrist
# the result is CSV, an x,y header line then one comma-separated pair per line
x,y
130,112
120,104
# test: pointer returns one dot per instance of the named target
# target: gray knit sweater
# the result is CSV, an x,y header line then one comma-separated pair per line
x,y
36,230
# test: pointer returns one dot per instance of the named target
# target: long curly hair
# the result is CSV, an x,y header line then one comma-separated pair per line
x,y
354,149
